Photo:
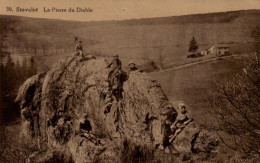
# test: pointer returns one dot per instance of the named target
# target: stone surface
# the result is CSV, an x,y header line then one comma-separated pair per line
x,y
63,115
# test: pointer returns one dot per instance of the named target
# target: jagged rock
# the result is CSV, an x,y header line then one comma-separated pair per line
x,y
183,142
206,142
63,114
192,140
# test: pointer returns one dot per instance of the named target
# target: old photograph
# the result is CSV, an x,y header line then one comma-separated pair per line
x,y
129,81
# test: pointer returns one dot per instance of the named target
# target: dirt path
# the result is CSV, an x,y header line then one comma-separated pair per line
x,y
198,62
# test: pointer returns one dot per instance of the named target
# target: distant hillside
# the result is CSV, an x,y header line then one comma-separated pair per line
x,y
171,35
219,17
166,36
35,35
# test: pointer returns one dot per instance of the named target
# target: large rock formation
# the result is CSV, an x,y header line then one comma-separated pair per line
x,y
64,118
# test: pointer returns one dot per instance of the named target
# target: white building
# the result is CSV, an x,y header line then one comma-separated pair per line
x,y
204,52
218,49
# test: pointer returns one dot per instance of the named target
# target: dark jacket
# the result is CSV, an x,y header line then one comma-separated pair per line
x,y
116,63
79,47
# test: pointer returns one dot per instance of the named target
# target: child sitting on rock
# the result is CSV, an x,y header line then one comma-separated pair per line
x,y
181,122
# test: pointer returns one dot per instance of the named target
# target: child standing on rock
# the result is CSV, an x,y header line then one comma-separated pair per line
x,y
79,49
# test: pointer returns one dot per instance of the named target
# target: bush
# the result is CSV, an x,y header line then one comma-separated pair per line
x,y
136,153
195,55
149,66
237,106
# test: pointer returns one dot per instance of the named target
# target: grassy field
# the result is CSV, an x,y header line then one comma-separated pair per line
x,y
194,84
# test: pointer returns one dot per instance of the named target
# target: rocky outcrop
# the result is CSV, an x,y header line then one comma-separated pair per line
x,y
64,117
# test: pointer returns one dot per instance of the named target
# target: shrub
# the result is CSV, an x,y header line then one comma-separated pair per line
x,y
237,106
149,66
136,153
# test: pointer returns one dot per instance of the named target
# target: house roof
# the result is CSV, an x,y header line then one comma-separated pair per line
x,y
219,46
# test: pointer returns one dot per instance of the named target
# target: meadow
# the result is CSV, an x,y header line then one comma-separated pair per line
x,y
195,84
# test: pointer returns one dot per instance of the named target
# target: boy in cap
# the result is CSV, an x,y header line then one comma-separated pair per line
x,y
115,64
79,48
132,66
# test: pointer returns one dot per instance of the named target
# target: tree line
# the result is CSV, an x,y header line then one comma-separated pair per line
x,y
13,74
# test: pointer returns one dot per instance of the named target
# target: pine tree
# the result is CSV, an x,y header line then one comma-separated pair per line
x,y
32,67
24,69
18,73
193,45
9,77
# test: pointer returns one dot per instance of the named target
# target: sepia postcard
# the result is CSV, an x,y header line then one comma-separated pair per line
x,y
129,81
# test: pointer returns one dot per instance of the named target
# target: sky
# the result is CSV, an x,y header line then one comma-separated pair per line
x,y
122,9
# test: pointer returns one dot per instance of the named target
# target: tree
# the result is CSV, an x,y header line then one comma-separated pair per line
x,y
34,46
24,69
32,67
158,48
18,73
193,47
9,78
256,35
236,104
44,48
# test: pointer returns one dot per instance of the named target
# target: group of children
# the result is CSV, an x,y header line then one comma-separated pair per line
x,y
116,89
